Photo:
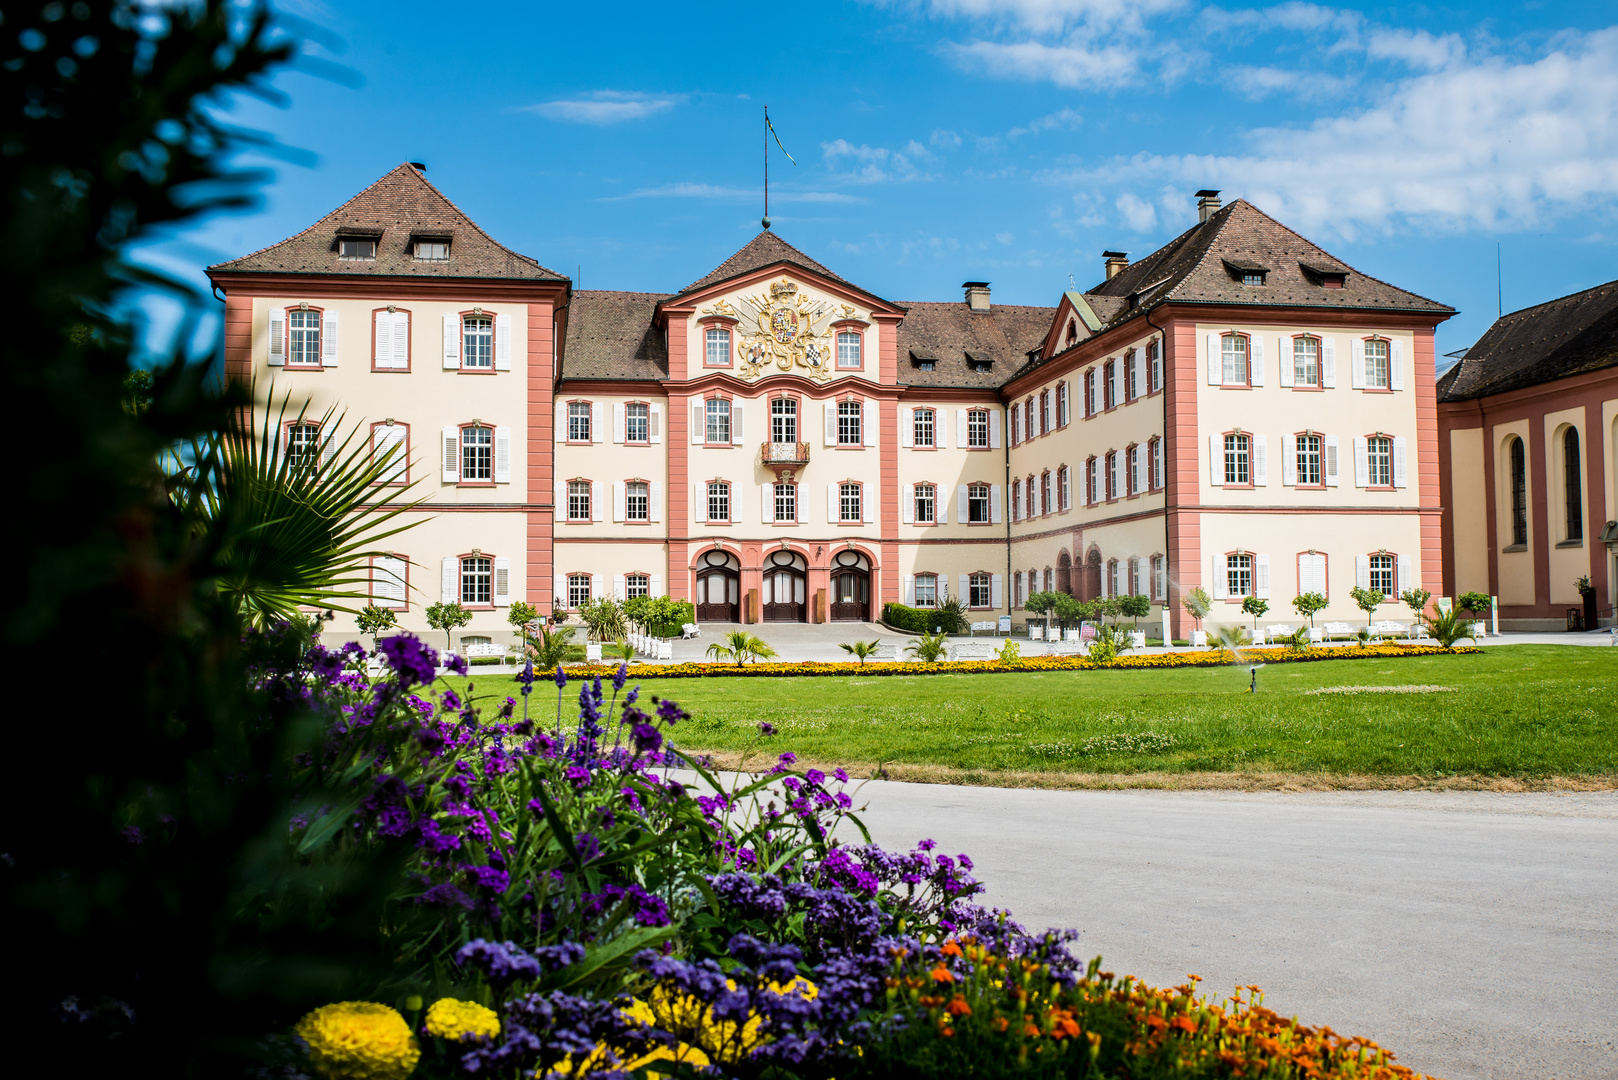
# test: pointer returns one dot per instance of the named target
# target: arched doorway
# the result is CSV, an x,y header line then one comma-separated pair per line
x,y
785,587
850,587
719,587
1090,587
1064,572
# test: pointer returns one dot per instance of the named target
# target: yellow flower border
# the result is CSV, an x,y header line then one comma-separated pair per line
x,y
847,669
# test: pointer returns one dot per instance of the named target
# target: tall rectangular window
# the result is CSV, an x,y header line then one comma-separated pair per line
x,y
848,349
1238,458
977,429
637,585
926,590
784,420
1062,405
718,500
980,591
303,446
303,331
850,419
1111,479
578,500
926,504
1109,385
1382,575
1154,358
717,413
786,502
1379,461
578,590
1157,464
1305,361
477,342
977,504
1573,484
578,421
1045,492
637,501
1233,354
476,580
1044,412
1310,457
848,503
717,342
1376,364
1065,487
1239,575
925,421
1519,494
477,453
637,423
1092,486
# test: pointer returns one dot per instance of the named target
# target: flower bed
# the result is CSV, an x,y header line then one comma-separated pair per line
x,y
1207,658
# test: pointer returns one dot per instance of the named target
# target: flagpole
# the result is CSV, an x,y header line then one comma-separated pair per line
x,y
766,166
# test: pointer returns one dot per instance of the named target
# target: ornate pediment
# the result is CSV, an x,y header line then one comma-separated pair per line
x,y
788,328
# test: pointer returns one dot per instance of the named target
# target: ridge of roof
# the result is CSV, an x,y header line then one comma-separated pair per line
x,y
763,250
400,197
1569,335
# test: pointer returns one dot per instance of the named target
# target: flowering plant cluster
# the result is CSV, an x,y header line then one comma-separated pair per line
x,y
579,898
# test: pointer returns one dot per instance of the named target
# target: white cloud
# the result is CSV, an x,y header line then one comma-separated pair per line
x,y
1257,83
1004,237
1072,65
1487,143
868,164
1048,16
1417,48
606,107
1139,215
1063,120
943,139
1293,16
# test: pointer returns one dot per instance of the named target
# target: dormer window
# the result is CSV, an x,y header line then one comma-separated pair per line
x,y
926,365
979,363
923,361
1252,277
1246,271
430,249
356,247
1325,274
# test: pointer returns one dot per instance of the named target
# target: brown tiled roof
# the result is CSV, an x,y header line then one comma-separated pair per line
x,y
1574,334
400,205
763,250
1191,268
610,335
947,332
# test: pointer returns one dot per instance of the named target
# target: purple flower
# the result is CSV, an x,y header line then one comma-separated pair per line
x,y
526,678
815,776
133,835
621,677
490,877
842,777
766,728
413,661
435,841
589,848
788,758
445,895
561,677
578,775
457,664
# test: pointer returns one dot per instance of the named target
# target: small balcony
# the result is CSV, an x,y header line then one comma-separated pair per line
x,y
786,458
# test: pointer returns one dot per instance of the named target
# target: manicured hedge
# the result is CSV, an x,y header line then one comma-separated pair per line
x,y
910,620
1206,658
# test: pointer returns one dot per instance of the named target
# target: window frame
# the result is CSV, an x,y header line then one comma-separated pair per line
x,y
710,414
1246,382
588,494
780,492
916,584
460,453
1298,459
851,330
843,503
647,441
1232,595
976,580
1391,569
979,494
403,477
410,336
1091,475
1154,368
1154,482
320,338
1386,344
483,316
714,326
1372,442
587,588
1244,457
1572,486
1517,478
796,417
1131,453
976,419
1109,471
374,241
637,575
1320,359
916,420
928,491
1045,500
295,458
461,580
1108,384
589,421
629,519
850,418
418,242
719,492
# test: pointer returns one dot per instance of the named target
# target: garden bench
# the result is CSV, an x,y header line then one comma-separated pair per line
x,y
990,626
479,651
1276,631
1389,628
968,651
886,652
690,630
1336,630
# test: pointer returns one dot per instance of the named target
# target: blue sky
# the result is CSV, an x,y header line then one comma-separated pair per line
x,y
944,140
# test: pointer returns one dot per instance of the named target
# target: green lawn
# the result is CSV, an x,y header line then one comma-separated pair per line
x,y
1527,712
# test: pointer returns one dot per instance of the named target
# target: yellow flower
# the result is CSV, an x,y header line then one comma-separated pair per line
x,y
359,1040
448,1018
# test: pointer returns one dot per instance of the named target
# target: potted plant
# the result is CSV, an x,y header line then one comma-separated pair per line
x,y
1255,607
1587,593
1474,604
374,620
448,618
1197,604
1368,600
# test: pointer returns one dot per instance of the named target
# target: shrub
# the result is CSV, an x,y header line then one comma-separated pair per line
x,y
916,620
1255,607
374,620
1448,627
1011,653
928,647
1308,603
1197,604
1367,600
448,618
860,649
1475,602
1135,607
667,616
603,619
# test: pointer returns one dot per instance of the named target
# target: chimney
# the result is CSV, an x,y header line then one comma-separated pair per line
x,y
1207,204
1116,261
977,295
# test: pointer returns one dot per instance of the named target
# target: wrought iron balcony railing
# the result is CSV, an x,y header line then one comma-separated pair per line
x,y
785,453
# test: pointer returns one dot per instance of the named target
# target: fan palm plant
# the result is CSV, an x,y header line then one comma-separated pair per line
x,y
295,526
740,646
929,648
1231,639
860,649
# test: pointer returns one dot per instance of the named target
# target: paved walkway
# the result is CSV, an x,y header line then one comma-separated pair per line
x,y
1474,934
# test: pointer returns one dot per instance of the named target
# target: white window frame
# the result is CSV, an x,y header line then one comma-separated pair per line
x,y
477,454
1378,369
579,425
1379,461
1238,460
853,357
579,498
978,497
304,342
578,591
716,421
637,585
980,587
1239,575
716,343
926,495
784,415
476,345
850,502
1234,350
929,582
1306,369
924,424
643,421
641,501
718,495
851,423
785,497
977,429
476,576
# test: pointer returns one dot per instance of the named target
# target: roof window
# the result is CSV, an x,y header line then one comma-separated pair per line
x,y
979,363
356,247
430,248
1246,271
1327,275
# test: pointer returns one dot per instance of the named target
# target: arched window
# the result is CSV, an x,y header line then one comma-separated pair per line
x,y
1572,484
1519,493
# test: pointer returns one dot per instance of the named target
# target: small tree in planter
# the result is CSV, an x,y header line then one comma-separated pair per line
x,y
1255,607
1197,604
1041,603
374,620
1135,607
1416,600
519,616
1309,603
1587,593
1368,600
448,618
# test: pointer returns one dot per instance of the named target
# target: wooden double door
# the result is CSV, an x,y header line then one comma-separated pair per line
x,y
850,595
719,595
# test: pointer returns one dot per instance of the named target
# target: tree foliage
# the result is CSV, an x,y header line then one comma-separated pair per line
x,y
1307,604
1197,604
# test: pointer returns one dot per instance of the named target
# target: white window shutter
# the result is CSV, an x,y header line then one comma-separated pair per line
x,y
1216,460
655,585
1362,571
1255,358
1136,460
994,430
1289,462
617,421
401,340
1261,576
502,343
1283,360
328,447
502,455
655,497
451,591
452,341
1220,582
1261,461
907,427
388,581
388,443
559,513
561,421
618,590
1048,421
276,339
908,510
803,510
1117,477
735,504
617,500
994,504
1328,362
699,423
960,504
869,421
1356,373
1139,387
1405,574
452,454
996,590
502,582
960,427
1140,585
867,504
767,498
738,429
966,588
597,583
910,590
941,429
831,425
699,502
1216,362
654,424
1362,464
328,338
560,595
1401,475
382,339
1396,364
1329,468
832,514
598,432
597,511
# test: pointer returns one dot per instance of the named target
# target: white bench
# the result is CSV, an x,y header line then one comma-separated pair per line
x,y
1389,628
479,651
690,630
1275,632
886,652
969,651
1336,630
990,626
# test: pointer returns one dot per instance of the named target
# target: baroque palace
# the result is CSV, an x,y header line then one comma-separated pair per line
x,y
1239,411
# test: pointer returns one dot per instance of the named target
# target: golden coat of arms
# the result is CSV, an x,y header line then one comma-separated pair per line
x,y
793,332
